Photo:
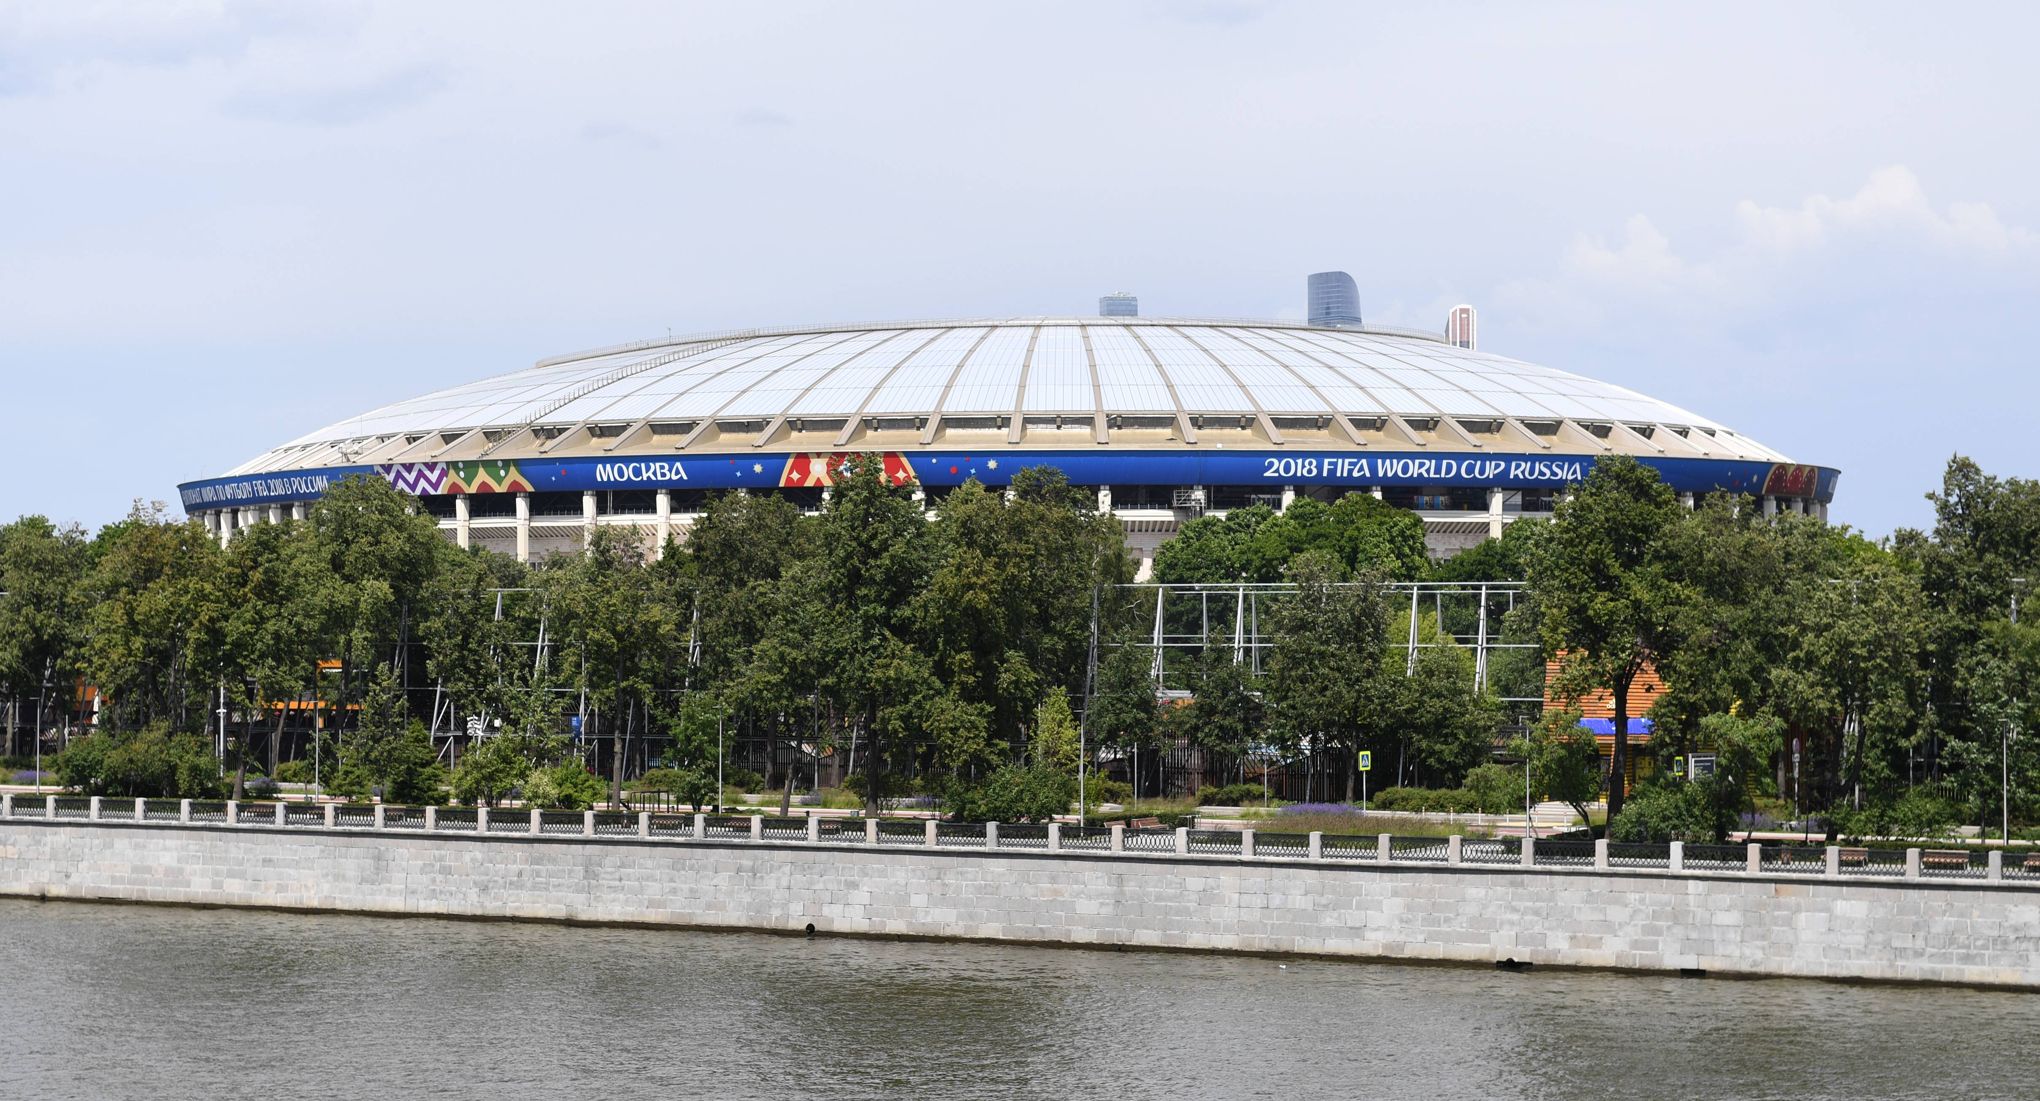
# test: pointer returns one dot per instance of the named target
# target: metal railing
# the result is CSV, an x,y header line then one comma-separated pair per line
x,y
1565,853
2018,867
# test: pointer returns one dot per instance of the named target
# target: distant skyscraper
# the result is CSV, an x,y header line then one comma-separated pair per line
x,y
1121,304
1334,300
1462,327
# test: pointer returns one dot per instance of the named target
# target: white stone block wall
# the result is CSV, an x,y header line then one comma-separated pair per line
x,y
1730,923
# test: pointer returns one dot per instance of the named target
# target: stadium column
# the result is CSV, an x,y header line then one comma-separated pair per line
x,y
463,521
1494,513
1104,500
524,527
587,516
1687,500
276,514
1375,491
226,525
297,510
665,507
1288,497
1770,506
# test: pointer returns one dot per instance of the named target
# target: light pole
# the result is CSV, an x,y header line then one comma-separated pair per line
x,y
1084,723
2005,744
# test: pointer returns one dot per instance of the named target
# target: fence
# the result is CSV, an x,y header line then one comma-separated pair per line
x,y
2009,866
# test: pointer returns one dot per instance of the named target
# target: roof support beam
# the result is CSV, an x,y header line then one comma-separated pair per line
x,y
1452,422
1635,437
1522,430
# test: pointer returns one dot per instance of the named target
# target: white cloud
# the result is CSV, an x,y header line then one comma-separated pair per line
x,y
1771,256
44,41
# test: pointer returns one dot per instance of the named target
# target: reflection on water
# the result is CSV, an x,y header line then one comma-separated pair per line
x,y
124,1001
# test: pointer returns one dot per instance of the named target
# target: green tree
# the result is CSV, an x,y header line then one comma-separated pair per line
x,y
41,566
147,598
1324,668
1564,761
151,763
490,770
1055,733
387,754
1609,607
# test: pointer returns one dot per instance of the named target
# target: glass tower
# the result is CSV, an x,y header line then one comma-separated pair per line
x,y
1121,304
1334,300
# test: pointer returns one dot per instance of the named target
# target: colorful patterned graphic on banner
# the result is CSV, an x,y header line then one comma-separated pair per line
x,y
822,469
489,476
1787,480
417,479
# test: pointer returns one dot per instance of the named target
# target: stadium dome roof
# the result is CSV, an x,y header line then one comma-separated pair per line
x,y
1019,382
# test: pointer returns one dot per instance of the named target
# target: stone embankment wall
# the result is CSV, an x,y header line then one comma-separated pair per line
x,y
1982,933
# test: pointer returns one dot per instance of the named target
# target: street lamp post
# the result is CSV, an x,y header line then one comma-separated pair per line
x,y
2005,744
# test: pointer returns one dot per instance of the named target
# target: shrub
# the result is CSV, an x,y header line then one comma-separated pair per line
x,y
1014,794
564,786
1104,789
1431,800
487,772
1232,795
1496,789
151,763
692,786
743,779
401,764
1914,814
1672,811
892,787
294,772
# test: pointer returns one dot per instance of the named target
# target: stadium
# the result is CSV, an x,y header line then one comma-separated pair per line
x,y
1167,419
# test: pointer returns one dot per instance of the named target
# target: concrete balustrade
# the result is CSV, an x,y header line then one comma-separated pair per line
x,y
1563,860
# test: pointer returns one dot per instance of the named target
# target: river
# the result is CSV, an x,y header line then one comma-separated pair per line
x,y
108,1001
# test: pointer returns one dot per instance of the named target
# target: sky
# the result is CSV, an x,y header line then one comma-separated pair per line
x,y
229,223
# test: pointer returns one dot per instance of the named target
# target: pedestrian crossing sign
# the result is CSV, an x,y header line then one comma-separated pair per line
x,y
1366,760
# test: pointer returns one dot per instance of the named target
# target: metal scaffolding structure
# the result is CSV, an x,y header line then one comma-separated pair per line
x,y
1489,620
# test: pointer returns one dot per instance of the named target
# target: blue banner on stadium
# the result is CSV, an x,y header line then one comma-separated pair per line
x,y
997,467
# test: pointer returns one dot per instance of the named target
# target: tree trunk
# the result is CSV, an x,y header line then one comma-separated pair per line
x,y
1353,778
1618,765
873,763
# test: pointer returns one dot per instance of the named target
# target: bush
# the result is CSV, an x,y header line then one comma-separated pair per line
x,y
151,763
688,785
487,772
1431,800
1671,811
294,772
1014,794
1496,789
1914,814
401,764
1104,789
565,786
743,779
892,787
1231,795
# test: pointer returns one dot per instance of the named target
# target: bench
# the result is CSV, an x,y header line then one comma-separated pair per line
x,y
1853,858
1944,858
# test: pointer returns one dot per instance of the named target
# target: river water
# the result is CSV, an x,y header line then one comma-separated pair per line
x,y
100,1001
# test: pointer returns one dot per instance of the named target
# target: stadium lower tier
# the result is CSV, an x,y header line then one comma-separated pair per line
x,y
531,508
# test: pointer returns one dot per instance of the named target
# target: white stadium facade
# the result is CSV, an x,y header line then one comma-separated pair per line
x,y
1167,419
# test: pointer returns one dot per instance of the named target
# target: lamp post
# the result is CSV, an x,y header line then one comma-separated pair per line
x,y
2005,744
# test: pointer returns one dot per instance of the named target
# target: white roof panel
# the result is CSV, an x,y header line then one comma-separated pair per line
x,y
1039,365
